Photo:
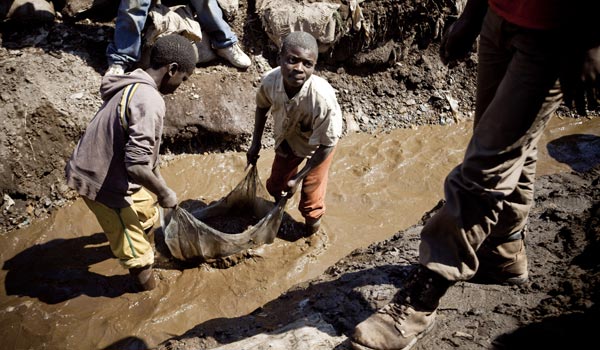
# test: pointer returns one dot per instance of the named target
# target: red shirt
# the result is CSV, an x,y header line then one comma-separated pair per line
x,y
534,14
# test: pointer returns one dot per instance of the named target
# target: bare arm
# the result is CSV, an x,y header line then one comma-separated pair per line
x,y
154,182
260,119
580,73
458,40
317,158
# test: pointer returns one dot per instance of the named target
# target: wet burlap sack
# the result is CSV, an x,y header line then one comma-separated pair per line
x,y
189,237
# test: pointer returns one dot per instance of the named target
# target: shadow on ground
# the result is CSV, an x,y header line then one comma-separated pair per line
x,y
58,270
580,151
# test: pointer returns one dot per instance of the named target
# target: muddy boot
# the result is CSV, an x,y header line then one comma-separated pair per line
x,y
502,261
143,277
311,226
407,318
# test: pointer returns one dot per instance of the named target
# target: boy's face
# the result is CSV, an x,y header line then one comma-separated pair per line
x,y
172,79
297,65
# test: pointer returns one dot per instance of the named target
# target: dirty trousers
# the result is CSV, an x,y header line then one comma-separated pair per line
x,y
491,192
314,185
124,228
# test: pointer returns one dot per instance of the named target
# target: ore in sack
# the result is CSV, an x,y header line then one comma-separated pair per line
x,y
243,219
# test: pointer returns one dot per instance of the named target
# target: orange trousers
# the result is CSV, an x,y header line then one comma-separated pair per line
x,y
314,185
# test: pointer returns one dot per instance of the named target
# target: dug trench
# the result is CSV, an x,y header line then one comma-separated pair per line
x,y
403,133
51,72
62,289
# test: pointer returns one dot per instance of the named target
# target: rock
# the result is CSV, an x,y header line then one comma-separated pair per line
x,y
27,11
75,8
383,55
309,333
7,202
227,109
229,7
351,124
463,335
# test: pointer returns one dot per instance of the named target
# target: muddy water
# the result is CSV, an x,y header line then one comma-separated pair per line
x,y
62,289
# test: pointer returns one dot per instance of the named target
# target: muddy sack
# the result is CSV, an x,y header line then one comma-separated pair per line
x,y
281,17
189,237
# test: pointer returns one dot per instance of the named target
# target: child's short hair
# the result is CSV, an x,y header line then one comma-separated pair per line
x,y
300,39
173,48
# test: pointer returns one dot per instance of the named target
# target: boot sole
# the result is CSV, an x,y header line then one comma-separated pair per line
x,y
357,346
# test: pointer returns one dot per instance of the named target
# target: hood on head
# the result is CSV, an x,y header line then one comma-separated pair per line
x,y
112,84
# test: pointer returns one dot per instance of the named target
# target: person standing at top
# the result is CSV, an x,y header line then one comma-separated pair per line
x,y
479,233
307,124
115,165
125,49
222,39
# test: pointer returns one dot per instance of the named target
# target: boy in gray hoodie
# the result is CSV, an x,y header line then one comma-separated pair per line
x,y
114,167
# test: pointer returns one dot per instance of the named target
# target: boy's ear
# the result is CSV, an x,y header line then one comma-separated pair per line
x,y
173,68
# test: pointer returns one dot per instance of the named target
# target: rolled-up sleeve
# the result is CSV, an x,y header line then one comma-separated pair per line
x,y
145,129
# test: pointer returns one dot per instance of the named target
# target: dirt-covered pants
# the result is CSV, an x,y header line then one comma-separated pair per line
x,y
491,192
125,228
314,185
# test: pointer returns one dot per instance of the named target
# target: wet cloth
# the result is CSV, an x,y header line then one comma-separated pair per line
x,y
125,228
314,185
491,192
189,237
311,118
97,168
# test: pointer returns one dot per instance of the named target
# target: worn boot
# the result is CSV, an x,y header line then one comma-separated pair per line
x,y
407,318
312,226
502,261
143,278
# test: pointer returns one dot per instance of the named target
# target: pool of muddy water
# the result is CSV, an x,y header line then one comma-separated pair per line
x,y
63,290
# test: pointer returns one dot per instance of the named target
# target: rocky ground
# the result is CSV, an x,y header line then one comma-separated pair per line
x,y
49,78
556,309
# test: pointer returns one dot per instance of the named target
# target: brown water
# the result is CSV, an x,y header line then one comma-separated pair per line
x,y
63,290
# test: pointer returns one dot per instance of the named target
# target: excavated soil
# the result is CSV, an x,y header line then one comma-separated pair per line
x,y
557,309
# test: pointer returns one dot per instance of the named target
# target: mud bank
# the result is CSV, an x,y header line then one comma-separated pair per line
x,y
557,309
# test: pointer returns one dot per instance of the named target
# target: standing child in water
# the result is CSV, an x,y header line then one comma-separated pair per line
x,y
307,124
115,164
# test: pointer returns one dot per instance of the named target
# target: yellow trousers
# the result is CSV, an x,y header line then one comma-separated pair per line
x,y
125,228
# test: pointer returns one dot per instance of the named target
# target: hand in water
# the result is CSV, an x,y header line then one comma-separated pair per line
x,y
580,81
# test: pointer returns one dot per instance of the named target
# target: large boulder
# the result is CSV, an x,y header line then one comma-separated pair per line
x,y
27,11
211,110
74,9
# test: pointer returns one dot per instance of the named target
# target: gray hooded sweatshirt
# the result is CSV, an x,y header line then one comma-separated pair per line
x,y
97,168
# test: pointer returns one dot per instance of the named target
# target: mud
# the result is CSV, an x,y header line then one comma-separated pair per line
x,y
557,309
63,289
54,70
234,221
407,121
